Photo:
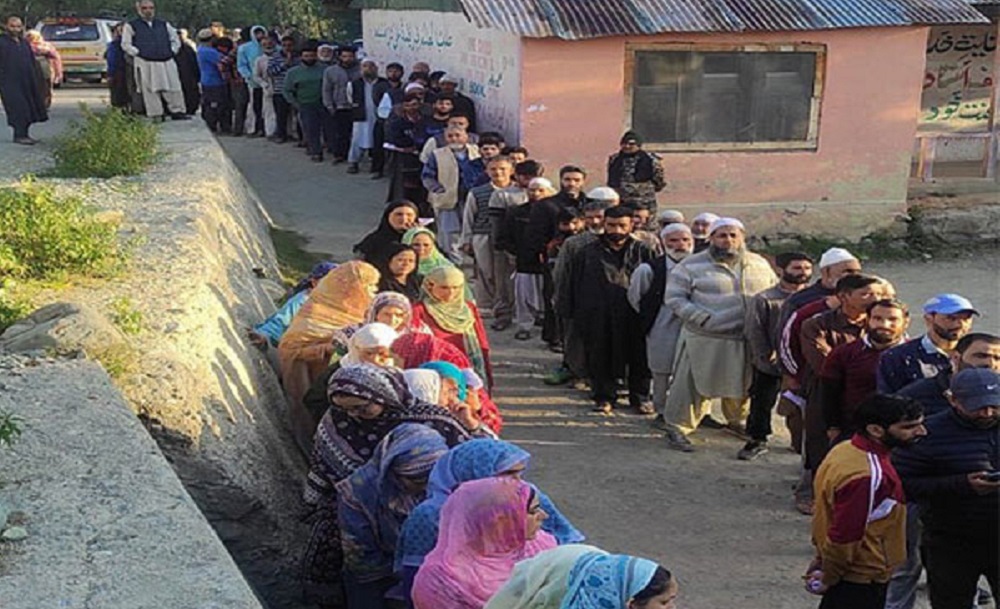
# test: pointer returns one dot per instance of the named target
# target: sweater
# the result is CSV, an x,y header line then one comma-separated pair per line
x,y
303,85
859,527
761,329
208,66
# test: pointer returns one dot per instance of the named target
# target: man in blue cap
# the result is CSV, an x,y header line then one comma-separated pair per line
x,y
948,317
953,476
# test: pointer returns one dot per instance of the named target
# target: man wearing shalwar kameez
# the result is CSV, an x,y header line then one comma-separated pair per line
x,y
19,77
152,43
361,92
710,291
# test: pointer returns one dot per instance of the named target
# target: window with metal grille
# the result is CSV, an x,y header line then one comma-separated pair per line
x,y
690,97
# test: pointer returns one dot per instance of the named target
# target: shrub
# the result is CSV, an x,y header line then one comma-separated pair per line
x,y
13,306
105,144
43,236
126,316
10,428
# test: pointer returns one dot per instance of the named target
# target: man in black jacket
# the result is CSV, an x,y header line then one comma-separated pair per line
x,y
951,476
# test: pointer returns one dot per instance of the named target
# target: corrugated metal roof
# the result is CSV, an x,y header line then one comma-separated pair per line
x,y
578,19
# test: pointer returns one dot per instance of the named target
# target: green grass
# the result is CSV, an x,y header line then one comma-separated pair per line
x,y
294,261
105,144
10,428
126,316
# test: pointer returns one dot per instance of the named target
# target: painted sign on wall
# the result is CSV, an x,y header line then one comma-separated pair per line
x,y
960,79
486,62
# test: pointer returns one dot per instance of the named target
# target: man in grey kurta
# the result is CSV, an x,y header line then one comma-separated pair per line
x,y
710,291
647,295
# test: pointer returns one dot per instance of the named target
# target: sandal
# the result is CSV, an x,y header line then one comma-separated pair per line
x,y
604,408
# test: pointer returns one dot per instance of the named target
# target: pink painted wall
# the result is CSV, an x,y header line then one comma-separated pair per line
x,y
573,111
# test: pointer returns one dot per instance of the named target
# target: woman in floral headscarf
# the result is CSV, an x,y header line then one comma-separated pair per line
x,y
390,308
486,527
339,300
603,581
450,317
374,502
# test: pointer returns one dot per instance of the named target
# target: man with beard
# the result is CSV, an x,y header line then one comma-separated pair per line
x,y
463,104
848,375
709,292
363,95
761,333
948,318
597,300
338,103
952,477
699,228
859,526
152,43
303,89
19,74
659,324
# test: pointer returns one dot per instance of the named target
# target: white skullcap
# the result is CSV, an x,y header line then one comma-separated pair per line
x,y
540,183
725,223
603,193
675,227
413,86
670,216
706,216
472,380
835,255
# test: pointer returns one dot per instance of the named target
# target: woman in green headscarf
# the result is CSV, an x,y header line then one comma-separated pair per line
x,y
429,257
453,318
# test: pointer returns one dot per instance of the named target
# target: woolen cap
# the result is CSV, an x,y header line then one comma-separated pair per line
x,y
413,86
949,304
976,388
603,193
205,34
835,255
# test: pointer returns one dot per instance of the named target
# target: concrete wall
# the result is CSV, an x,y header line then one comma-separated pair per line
x,y
488,62
573,110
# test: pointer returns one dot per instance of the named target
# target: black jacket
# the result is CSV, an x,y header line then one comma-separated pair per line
x,y
513,239
934,473
543,225
930,393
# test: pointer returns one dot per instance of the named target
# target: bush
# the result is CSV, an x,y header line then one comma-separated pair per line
x,y
43,236
13,306
106,144
126,316
10,428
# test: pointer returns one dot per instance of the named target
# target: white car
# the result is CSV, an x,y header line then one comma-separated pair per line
x,y
81,42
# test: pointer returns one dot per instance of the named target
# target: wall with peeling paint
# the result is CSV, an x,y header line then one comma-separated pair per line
x,y
573,111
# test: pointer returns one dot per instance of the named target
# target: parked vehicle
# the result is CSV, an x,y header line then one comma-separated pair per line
x,y
81,42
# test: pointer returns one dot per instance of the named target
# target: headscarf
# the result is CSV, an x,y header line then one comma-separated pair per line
x,y
482,536
372,503
339,300
343,443
452,372
370,336
435,260
388,283
389,299
600,580
424,384
318,272
375,246
417,349
540,582
455,316
342,338
474,460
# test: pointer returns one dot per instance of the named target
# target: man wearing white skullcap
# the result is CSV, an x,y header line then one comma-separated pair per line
x,y
709,292
699,228
604,193
529,275
669,216
659,324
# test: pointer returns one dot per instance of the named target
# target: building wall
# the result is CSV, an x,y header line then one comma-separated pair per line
x,y
573,111
488,62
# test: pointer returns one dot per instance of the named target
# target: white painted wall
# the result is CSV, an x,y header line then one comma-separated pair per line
x,y
487,62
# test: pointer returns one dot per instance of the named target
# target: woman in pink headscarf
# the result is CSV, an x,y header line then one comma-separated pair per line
x,y
486,527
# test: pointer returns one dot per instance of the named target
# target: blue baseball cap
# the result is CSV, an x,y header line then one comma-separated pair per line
x,y
976,388
949,304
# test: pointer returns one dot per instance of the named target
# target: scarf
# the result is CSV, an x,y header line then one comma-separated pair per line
x,y
411,286
376,245
474,460
390,299
451,372
424,384
373,504
415,349
600,580
481,537
318,272
455,316
540,582
370,336
342,338
435,260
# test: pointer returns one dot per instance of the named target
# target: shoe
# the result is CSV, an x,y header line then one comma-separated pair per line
x,y
710,422
806,507
678,441
983,597
559,376
659,423
522,335
179,116
337,160
377,175
581,385
555,348
736,429
352,168
605,408
539,323
317,158
24,141
300,144
644,407
751,450
501,324
34,141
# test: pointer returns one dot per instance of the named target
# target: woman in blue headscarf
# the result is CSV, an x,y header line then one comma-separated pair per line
x,y
474,460
616,581
373,503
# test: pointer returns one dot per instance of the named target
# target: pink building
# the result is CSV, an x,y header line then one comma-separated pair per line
x,y
799,117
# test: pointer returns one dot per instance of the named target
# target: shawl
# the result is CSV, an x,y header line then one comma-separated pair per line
x,y
600,580
482,536
372,504
370,336
451,372
318,272
339,300
435,260
454,316
342,338
540,582
388,283
376,245
343,443
424,384
415,349
474,460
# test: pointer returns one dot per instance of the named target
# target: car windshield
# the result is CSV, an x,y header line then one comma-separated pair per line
x,y
83,32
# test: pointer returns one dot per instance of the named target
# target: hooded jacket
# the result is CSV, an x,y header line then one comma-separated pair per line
x,y
246,57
